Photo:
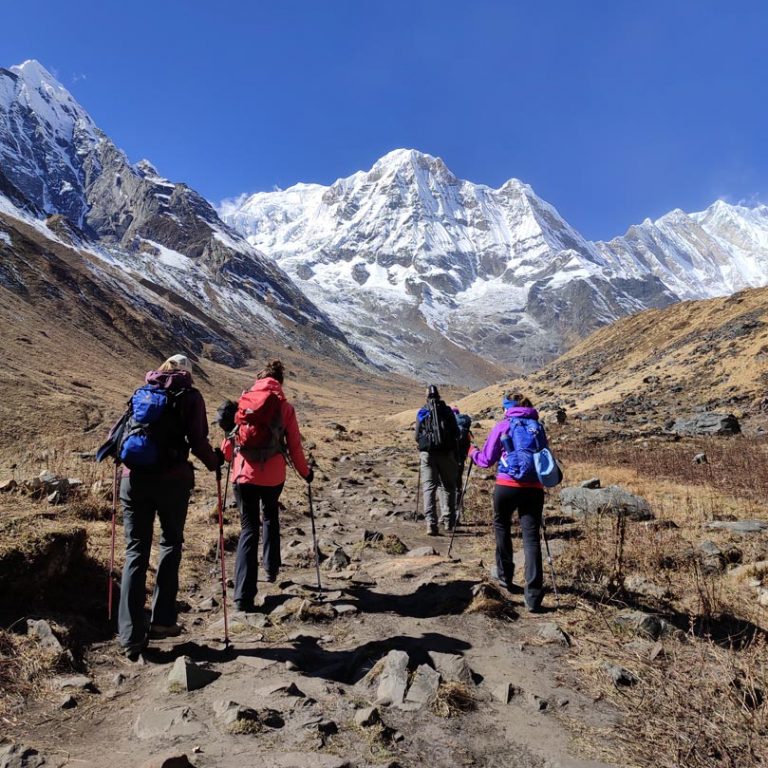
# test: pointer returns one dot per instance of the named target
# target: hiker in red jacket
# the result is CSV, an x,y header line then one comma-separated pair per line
x,y
258,476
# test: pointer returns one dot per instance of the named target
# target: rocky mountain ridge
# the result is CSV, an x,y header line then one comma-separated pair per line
x,y
136,225
408,245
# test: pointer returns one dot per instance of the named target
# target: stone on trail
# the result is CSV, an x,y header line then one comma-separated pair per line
x,y
338,560
187,675
422,552
78,682
345,609
424,686
6,486
550,632
452,667
168,760
172,722
367,716
592,483
302,760
393,680
18,756
642,586
41,630
739,526
613,500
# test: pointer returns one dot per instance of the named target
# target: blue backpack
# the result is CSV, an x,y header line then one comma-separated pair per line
x,y
153,434
524,440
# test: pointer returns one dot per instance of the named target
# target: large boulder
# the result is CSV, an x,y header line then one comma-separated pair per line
x,y
613,500
707,424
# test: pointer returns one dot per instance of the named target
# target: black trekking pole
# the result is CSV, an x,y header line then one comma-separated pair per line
x,y
418,492
460,506
221,552
549,560
314,538
111,582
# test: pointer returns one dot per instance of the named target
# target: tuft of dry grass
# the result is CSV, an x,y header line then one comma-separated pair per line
x,y
489,601
452,699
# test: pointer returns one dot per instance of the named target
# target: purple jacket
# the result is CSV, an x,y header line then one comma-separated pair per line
x,y
195,419
493,449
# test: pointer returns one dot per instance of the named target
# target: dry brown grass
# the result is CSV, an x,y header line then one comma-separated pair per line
x,y
452,699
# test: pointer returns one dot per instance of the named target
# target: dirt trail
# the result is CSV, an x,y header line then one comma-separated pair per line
x,y
308,675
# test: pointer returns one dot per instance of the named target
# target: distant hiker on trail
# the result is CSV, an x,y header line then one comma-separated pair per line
x,y
437,437
512,443
464,423
266,426
165,421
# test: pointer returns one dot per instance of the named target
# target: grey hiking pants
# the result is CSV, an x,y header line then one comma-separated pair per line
x,y
141,497
438,473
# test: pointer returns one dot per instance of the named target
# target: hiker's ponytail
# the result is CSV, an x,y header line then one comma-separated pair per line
x,y
272,370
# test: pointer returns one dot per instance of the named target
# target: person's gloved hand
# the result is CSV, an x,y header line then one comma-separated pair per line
x,y
220,456
310,476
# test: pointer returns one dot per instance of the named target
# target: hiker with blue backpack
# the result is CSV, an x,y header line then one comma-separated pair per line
x,y
519,445
164,422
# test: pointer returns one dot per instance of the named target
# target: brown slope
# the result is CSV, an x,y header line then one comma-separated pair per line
x,y
709,354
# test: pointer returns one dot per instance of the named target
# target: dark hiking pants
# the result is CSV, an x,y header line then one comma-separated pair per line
x,y
142,497
438,473
529,503
251,499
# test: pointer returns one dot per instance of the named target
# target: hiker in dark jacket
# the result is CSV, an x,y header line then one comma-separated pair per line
x,y
163,489
437,434
258,482
464,424
517,488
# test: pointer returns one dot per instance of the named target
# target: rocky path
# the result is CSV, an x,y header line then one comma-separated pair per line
x,y
405,657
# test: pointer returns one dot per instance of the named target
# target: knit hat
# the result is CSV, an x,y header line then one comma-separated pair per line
x,y
180,361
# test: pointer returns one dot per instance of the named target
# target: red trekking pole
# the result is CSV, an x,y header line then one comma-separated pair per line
x,y
221,551
111,580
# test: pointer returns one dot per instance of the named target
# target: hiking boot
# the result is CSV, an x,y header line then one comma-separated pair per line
x,y
433,530
161,631
510,587
133,652
271,578
245,606
534,608
449,526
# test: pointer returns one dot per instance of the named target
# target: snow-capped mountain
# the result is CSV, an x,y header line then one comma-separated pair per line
x,y
55,161
407,251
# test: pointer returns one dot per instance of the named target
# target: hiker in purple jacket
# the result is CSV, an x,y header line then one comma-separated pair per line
x,y
517,488
163,489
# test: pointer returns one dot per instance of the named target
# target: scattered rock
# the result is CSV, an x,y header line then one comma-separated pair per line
x,y
642,586
620,675
550,632
187,675
18,756
700,458
711,557
643,624
367,717
424,686
338,560
757,570
41,630
68,702
739,526
7,486
78,682
613,500
372,536
422,552
345,609
172,722
208,604
237,718
168,760
593,483
311,610
393,680
452,667
707,424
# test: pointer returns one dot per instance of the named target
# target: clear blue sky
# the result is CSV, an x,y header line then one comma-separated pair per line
x,y
613,110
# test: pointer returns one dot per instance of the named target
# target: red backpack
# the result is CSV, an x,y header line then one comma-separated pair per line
x,y
260,429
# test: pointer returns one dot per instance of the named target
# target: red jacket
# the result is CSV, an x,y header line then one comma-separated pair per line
x,y
272,471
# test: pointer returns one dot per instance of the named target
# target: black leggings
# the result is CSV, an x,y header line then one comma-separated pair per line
x,y
529,503
250,498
